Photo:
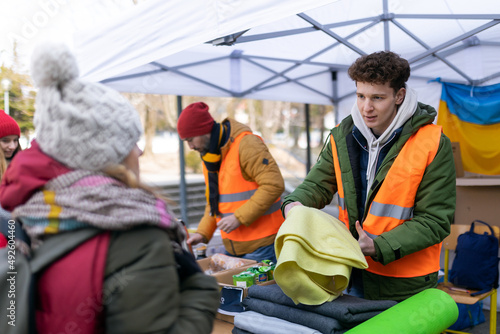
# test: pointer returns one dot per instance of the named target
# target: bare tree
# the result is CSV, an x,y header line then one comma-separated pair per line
x,y
150,130
169,107
252,117
272,120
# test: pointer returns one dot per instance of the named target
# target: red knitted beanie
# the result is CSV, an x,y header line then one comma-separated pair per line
x,y
8,126
195,120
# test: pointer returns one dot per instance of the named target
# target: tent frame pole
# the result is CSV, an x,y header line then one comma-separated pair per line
x,y
183,191
308,138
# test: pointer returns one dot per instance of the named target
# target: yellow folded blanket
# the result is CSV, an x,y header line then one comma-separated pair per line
x,y
316,253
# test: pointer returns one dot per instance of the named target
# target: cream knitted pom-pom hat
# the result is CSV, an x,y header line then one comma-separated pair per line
x,y
84,125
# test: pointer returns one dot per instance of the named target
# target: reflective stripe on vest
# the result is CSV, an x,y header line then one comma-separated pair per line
x,y
388,211
234,191
340,187
391,211
275,207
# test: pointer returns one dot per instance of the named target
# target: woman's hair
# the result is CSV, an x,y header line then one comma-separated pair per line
x,y
123,174
3,164
380,68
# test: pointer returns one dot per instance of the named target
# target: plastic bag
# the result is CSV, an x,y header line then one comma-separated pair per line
x,y
219,262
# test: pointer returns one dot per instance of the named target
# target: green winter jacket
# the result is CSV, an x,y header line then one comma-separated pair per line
x,y
154,300
433,211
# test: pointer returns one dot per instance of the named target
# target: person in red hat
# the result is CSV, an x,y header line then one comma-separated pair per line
x,y
9,144
244,184
9,136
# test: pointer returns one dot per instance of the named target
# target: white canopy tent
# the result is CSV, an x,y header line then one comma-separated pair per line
x,y
290,50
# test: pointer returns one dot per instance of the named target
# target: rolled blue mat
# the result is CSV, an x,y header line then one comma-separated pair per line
x,y
428,312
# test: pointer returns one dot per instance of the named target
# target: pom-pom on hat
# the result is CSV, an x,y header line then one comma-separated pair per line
x,y
81,124
8,126
195,120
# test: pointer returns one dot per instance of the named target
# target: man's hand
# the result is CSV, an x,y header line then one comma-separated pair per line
x,y
289,206
365,242
195,238
229,223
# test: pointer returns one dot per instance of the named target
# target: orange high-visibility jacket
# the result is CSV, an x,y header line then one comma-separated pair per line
x,y
234,191
393,203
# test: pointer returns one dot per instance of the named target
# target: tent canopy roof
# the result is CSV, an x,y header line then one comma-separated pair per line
x,y
291,50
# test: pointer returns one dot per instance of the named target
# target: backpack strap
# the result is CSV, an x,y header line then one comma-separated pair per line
x,y
13,227
482,222
65,243
15,279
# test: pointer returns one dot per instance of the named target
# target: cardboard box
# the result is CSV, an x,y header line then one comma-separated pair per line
x,y
204,264
222,327
228,290
478,198
477,195
225,317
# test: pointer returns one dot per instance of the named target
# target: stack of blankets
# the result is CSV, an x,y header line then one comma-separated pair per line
x,y
269,310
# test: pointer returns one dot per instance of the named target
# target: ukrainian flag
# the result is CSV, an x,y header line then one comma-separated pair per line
x,y
471,116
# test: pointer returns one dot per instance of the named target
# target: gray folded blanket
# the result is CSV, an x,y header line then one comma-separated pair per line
x,y
255,322
348,310
324,324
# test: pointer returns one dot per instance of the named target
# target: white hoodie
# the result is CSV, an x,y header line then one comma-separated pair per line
x,y
374,145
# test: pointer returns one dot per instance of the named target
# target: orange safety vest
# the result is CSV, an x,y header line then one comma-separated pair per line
x,y
393,204
234,191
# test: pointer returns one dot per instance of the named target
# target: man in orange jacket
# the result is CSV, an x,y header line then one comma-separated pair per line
x,y
244,184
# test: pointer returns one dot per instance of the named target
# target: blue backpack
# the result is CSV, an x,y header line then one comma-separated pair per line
x,y
476,261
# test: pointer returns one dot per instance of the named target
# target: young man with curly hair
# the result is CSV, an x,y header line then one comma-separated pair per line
x,y
393,172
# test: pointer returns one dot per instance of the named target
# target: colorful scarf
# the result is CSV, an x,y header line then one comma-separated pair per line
x,y
212,161
82,199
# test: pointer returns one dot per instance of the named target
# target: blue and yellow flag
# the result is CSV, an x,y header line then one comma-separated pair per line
x,y
471,116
